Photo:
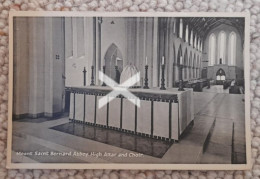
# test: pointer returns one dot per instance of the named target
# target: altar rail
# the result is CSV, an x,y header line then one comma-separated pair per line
x,y
158,117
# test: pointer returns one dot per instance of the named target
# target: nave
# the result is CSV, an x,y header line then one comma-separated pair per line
x,y
186,74
215,116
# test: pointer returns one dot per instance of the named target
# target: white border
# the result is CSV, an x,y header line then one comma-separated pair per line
x,y
247,166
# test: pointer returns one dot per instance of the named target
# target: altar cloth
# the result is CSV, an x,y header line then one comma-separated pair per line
x,y
163,114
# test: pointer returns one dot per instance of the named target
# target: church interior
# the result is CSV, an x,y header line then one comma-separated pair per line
x,y
191,89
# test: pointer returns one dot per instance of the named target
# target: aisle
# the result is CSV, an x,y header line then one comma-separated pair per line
x,y
216,89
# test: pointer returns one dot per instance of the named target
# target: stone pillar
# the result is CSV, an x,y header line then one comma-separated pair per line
x,y
155,50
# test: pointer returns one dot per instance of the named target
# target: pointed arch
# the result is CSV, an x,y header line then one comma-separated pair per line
x,y
212,49
232,49
220,76
112,57
222,47
179,55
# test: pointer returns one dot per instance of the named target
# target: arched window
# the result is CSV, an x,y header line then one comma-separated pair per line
x,y
232,48
187,34
222,47
212,49
181,29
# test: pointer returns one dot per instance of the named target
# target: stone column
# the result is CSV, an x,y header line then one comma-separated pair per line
x,y
155,50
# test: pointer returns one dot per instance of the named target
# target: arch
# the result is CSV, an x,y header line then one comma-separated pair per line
x,y
212,49
222,47
191,37
220,76
112,57
179,55
232,48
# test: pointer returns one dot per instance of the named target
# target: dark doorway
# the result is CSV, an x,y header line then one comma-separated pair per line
x,y
113,57
220,77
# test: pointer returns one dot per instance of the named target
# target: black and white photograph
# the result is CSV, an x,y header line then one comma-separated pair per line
x,y
129,90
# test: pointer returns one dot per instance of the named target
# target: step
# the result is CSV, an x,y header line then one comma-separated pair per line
x,y
191,146
219,148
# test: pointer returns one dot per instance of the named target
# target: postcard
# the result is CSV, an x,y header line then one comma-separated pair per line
x,y
119,90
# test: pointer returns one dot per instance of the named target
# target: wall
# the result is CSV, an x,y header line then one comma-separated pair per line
x,y
239,45
136,38
75,63
38,67
169,45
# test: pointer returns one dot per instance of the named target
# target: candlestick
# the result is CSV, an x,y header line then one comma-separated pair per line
x,y
146,63
146,78
104,71
84,76
163,80
92,76
117,74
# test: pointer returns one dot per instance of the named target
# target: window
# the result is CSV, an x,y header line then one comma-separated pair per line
x,y
181,29
187,34
212,49
232,48
222,47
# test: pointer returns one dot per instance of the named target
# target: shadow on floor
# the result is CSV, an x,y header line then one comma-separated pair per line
x,y
147,146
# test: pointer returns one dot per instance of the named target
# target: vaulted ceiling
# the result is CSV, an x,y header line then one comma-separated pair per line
x,y
202,25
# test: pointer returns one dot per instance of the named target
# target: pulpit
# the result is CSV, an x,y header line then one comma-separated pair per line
x,y
163,114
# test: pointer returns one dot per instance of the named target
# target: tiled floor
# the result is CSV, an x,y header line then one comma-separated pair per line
x,y
227,110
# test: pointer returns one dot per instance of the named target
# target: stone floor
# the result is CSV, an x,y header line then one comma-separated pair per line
x,y
216,89
219,125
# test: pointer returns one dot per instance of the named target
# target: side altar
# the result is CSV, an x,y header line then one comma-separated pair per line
x,y
163,114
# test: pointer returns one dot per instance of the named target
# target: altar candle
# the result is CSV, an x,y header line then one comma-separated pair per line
x,y
116,61
181,60
146,61
162,60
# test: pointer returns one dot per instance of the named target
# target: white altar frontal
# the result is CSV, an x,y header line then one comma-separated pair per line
x,y
163,114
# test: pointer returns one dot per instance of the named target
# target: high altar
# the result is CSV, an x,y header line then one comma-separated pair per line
x,y
163,113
